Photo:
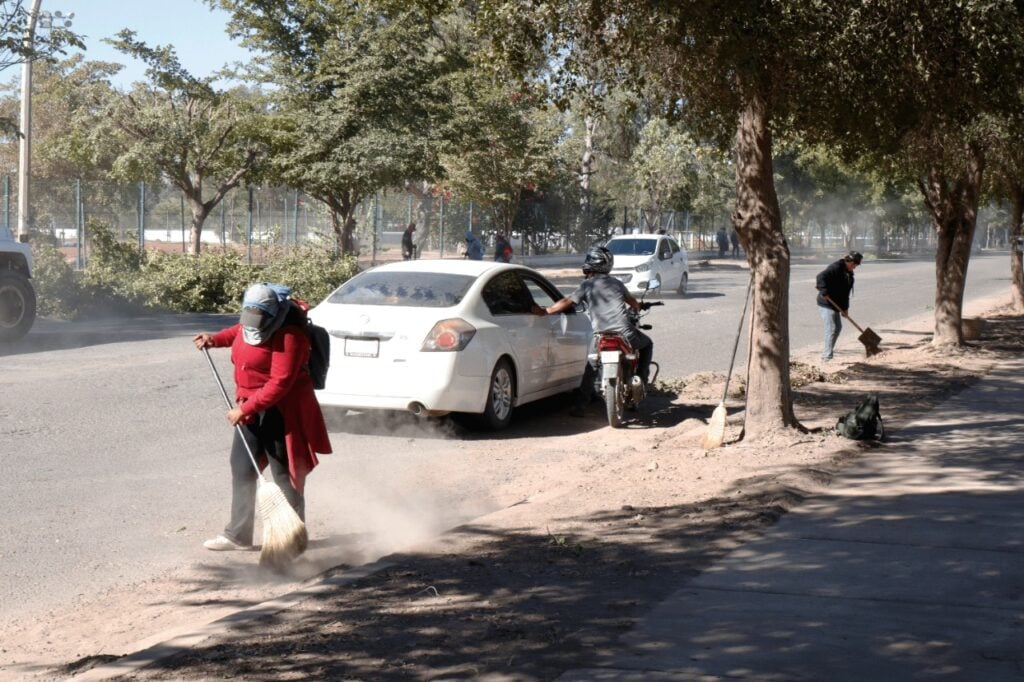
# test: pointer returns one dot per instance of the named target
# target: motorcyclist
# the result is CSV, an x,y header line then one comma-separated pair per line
x,y
608,303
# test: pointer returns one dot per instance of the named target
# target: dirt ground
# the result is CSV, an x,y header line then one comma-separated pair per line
x,y
537,587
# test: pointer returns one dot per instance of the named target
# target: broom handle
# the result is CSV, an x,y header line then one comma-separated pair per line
x,y
227,401
840,311
736,344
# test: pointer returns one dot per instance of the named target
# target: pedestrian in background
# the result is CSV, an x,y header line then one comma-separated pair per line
x,y
275,405
502,249
723,242
835,284
408,247
735,239
474,247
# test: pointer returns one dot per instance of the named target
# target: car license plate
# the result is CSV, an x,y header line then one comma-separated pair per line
x,y
362,348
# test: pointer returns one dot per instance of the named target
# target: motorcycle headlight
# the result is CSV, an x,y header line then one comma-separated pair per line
x,y
643,267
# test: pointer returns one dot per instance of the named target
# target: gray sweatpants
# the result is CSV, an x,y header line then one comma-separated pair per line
x,y
265,436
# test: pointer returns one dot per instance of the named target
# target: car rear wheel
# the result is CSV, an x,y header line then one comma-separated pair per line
x,y
684,284
17,306
500,396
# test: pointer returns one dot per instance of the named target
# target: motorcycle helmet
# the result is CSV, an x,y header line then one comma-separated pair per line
x,y
599,260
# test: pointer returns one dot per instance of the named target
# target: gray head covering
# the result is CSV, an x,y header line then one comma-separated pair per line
x,y
264,307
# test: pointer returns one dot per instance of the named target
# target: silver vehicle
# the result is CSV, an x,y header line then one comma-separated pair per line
x,y
17,297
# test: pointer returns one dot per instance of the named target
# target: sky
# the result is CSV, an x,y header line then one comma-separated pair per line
x,y
196,32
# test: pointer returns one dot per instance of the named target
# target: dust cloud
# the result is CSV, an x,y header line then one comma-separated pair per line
x,y
424,489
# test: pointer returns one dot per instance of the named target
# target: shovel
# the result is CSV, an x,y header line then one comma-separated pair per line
x,y
868,337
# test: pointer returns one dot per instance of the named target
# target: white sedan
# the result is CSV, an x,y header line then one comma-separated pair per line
x,y
441,336
641,257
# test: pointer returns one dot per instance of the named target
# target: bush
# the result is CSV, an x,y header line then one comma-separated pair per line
x,y
118,277
311,272
213,282
58,291
112,268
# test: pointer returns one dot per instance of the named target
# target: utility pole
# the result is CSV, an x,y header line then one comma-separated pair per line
x,y
25,143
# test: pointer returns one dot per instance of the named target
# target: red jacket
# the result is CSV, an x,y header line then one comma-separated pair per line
x,y
272,374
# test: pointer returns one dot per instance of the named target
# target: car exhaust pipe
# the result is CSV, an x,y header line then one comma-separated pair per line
x,y
418,409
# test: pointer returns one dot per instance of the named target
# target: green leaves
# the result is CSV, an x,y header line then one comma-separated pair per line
x,y
361,98
503,145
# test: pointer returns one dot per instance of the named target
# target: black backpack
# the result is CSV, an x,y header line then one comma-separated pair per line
x,y
319,354
319,343
863,423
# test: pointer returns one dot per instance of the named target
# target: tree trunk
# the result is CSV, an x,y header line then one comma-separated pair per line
x,y
343,223
954,213
346,233
758,221
583,221
199,213
1016,267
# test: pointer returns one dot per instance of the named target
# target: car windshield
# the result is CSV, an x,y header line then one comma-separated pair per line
x,y
632,247
413,289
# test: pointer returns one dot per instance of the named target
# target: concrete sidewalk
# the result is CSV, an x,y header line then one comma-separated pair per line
x,y
910,567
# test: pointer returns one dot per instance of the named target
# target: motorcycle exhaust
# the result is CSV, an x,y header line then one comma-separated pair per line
x,y
636,387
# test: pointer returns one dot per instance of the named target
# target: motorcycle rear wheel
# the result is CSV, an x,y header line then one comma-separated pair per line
x,y
615,402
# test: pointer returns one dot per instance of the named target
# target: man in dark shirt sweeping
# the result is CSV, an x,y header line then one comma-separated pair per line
x,y
835,284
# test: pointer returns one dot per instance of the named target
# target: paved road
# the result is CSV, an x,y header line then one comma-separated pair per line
x,y
114,452
695,333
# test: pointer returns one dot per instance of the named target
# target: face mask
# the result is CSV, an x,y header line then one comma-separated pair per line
x,y
263,312
252,321
258,326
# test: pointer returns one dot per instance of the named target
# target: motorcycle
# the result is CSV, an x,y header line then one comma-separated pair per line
x,y
615,363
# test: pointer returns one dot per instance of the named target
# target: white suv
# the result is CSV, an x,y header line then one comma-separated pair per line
x,y
639,257
17,297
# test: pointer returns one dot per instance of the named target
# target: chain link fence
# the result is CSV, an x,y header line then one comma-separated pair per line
x,y
157,217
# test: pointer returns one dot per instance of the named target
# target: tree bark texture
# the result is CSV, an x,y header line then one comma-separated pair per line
x,y
758,221
583,219
1016,265
199,212
954,211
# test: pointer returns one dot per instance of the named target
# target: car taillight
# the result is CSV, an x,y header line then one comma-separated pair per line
x,y
449,335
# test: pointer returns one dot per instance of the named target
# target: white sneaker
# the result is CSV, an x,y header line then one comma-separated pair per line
x,y
223,544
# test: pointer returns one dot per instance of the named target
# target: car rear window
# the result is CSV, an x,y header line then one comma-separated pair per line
x,y
413,289
632,247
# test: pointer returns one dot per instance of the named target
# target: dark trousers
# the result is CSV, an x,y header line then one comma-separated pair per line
x,y
265,436
645,349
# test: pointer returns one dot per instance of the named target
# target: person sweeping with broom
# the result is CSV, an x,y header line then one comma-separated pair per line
x,y
834,285
277,421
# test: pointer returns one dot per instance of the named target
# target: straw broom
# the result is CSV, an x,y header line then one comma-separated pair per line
x,y
284,533
715,435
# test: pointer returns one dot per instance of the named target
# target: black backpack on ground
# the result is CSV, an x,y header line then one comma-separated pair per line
x,y
863,423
